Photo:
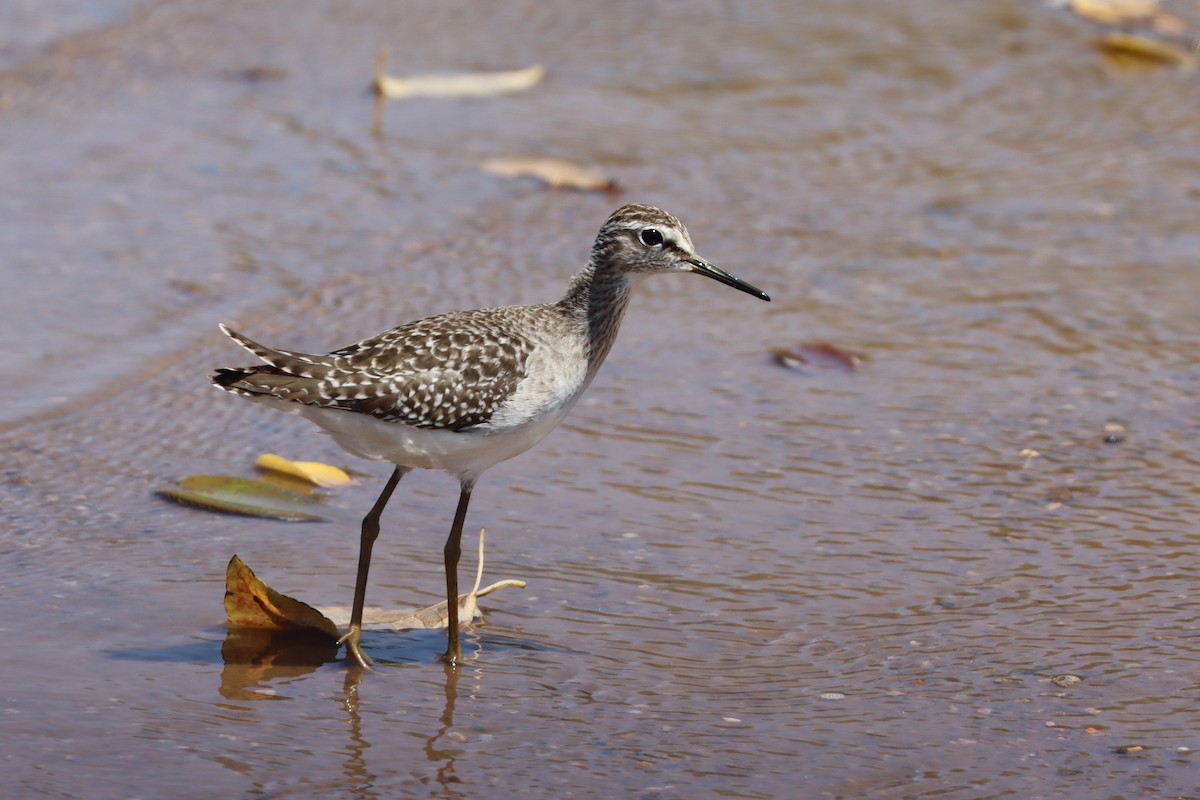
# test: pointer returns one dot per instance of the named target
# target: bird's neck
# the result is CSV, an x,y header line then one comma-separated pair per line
x,y
596,299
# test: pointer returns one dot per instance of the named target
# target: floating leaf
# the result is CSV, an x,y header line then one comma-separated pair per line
x,y
243,496
1146,49
821,355
557,173
466,84
311,471
251,603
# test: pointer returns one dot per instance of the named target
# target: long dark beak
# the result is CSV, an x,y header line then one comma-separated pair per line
x,y
702,267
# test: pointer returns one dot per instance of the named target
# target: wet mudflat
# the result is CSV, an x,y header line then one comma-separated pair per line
x,y
744,577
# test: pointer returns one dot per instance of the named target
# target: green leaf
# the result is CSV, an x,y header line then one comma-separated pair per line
x,y
243,496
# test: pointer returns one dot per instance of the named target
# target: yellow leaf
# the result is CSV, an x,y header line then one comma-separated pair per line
x,y
1115,12
555,172
311,471
251,603
466,84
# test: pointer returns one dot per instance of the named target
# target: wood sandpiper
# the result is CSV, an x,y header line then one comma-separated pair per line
x,y
462,391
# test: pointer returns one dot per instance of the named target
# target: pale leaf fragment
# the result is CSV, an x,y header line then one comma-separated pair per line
x,y
312,471
1169,24
555,172
438,614
464,84
430,617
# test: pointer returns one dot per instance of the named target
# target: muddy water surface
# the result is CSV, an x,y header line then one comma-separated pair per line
x,y
744,580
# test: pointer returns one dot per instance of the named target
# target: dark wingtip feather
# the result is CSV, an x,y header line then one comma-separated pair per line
x,y
227,377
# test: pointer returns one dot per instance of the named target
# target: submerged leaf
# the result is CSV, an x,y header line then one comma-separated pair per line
x,y
557,173
243,496
466,84
311,471
251,603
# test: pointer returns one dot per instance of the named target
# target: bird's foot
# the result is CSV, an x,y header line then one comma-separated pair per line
x,y
454,654
354,649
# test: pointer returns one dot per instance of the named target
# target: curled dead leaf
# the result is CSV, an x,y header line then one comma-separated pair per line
x,y
251,603
466,84
555,172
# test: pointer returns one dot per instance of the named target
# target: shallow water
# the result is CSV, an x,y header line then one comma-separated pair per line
x,y
744,581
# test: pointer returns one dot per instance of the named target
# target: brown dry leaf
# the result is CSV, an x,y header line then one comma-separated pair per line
x,y
555,172
1115,12
312,471
816,355
466,84
1143,48
251,603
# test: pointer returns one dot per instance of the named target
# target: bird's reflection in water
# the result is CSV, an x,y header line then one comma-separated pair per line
x,y
438,755
359,778
256,659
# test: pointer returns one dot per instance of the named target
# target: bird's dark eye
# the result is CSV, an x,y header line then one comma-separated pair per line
x,y
651,237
